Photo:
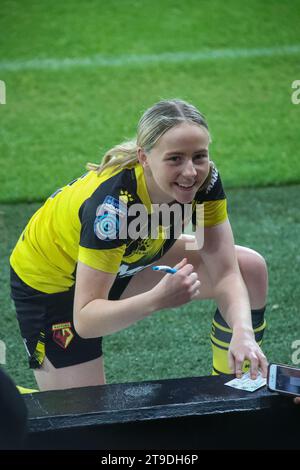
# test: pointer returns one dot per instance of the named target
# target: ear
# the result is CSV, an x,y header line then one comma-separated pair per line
x,y
142,157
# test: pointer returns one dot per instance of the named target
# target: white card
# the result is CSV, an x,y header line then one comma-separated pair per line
x,y
247,384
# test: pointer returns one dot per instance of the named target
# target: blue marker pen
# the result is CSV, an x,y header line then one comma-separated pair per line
x,y
166,269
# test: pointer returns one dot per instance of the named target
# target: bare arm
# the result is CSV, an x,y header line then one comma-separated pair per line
x,y
231,294
219,256
95,315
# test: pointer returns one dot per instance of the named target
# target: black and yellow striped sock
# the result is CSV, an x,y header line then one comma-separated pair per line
x,y
221,337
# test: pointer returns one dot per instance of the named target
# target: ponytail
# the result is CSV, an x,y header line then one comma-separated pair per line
x,y
120,156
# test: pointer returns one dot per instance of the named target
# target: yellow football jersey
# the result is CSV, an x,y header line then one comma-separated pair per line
x,y
88,220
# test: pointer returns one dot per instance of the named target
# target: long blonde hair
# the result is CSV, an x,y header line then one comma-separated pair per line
x,y
156,120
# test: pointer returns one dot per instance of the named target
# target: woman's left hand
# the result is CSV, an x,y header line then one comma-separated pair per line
x,y
244,347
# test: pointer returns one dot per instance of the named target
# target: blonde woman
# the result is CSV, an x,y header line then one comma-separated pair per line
x,y
82,267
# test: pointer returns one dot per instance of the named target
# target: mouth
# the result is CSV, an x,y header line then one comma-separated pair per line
x,y
185,187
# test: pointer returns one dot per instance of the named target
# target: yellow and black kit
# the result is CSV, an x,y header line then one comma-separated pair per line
x,y
87,221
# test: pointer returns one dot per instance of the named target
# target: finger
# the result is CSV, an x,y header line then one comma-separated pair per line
x,y
253,367
195,286
231,362
263,365
181,264
239,367
195,292
297,400
187,269
194,296
193,277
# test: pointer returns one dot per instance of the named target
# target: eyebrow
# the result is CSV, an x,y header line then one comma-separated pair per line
x,y
183,153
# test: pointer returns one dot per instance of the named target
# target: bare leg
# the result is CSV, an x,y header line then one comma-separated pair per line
x,y
252,266
254,272
81,375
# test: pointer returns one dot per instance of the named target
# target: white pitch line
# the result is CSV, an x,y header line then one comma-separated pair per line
x,y
135,59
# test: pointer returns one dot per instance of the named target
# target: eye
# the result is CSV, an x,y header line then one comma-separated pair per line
x,y
200,156
174,158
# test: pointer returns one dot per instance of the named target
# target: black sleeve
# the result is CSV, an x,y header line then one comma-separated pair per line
x,y
214,190
103,220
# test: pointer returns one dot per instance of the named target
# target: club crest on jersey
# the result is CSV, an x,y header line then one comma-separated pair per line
x,y
110,216
125,196
62,334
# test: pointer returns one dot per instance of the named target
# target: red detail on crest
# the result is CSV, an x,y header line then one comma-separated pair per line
x,y
63,337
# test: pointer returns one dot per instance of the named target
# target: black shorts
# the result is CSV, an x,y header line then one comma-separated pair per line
x,y
47,327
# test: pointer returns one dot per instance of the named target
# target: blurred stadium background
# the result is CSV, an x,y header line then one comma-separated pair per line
x,y
78,75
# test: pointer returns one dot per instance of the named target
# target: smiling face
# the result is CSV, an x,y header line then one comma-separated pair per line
x,y
177,165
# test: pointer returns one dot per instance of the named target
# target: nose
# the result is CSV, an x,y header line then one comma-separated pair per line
x,y
189,169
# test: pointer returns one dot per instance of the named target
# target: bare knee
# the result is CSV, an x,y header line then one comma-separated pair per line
x,y
254,271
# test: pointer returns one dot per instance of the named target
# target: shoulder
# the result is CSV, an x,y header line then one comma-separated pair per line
x,y
104,215
214,189
114,190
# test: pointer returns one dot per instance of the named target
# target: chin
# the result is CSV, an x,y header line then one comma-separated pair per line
x,y
184,198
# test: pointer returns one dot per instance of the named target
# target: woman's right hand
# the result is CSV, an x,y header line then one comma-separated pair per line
x,y
177,289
